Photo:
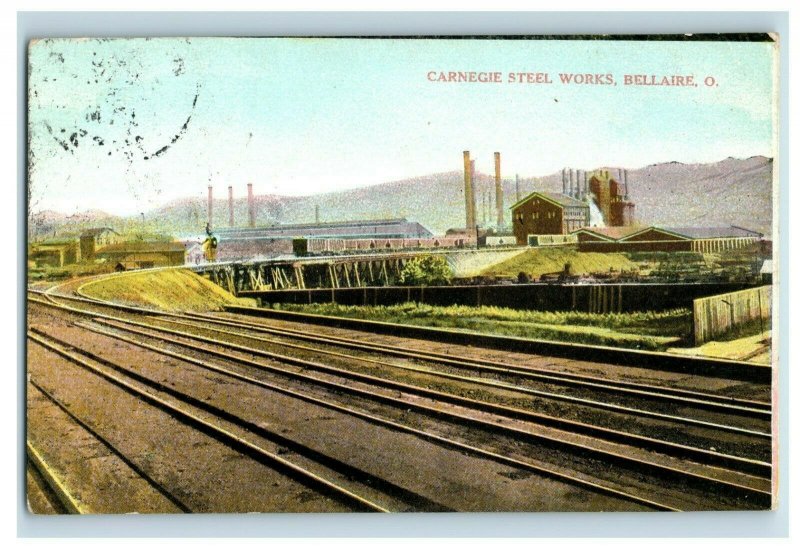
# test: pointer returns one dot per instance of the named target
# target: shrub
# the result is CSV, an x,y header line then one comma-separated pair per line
x,y
429,270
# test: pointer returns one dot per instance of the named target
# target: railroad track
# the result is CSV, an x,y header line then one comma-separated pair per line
x,y
659,361
51,487
212,421
125,378
749,492
671,396
691,402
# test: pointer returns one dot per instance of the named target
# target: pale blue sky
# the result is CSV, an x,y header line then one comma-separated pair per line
x,y
301,116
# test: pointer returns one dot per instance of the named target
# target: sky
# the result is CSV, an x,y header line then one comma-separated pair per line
x,y
126,125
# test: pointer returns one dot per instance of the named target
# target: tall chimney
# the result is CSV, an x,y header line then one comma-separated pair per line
x,y
475,192
571,191
516,185
625,177
468,197
498,190
316,214
230,206
251,206
585,185
210,206
563,181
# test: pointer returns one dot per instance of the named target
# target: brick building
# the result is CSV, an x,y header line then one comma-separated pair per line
x,y
547,213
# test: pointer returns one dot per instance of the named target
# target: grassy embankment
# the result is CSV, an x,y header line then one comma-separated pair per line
x,y
47,273
538,261
650,331
169,289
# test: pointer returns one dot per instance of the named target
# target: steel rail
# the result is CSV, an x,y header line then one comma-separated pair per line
x,y
670,448
758,494
218,432
71,504
750,491
761,495
683,396
88,428
494,384
651,360
341,468
763,469
653,391
391,424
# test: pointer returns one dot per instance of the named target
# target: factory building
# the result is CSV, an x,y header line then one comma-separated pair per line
x,y
381,228
611,196
265,242
143,255
542,213
55,252
94,239
663,239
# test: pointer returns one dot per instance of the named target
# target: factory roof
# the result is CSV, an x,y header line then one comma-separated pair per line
x,y
712,232
98,231
609,233
557,198
385,228
141,246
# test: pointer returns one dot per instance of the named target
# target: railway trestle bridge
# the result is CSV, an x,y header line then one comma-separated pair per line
x,y
329,272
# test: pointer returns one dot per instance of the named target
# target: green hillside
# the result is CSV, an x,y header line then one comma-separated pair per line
x,y
538,261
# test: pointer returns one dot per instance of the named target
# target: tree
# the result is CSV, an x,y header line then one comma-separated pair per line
x,y
429,270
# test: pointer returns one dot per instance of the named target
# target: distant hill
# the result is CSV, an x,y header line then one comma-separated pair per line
x,y
729,192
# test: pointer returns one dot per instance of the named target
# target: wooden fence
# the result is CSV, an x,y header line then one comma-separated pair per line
x,y
715,315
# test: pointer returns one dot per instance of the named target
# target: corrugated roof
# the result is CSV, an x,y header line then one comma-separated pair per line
x,y
713,232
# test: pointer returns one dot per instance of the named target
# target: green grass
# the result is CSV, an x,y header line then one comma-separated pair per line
x,y
649,330
169,289
68,271
538,261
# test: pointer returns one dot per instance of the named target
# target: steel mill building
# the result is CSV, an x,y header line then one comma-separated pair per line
x,y
238,243
666,239
547,213
611,197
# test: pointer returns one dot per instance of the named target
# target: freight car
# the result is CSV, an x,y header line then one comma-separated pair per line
x,y
331,246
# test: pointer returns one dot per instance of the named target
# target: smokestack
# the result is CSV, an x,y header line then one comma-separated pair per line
x,y
210,206
230,206
563,181
251,206
625,177
516,184
570,182
475,192
468,197
585,185
498,190
316,214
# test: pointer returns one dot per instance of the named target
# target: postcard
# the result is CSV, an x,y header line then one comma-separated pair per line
x,y
318,275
